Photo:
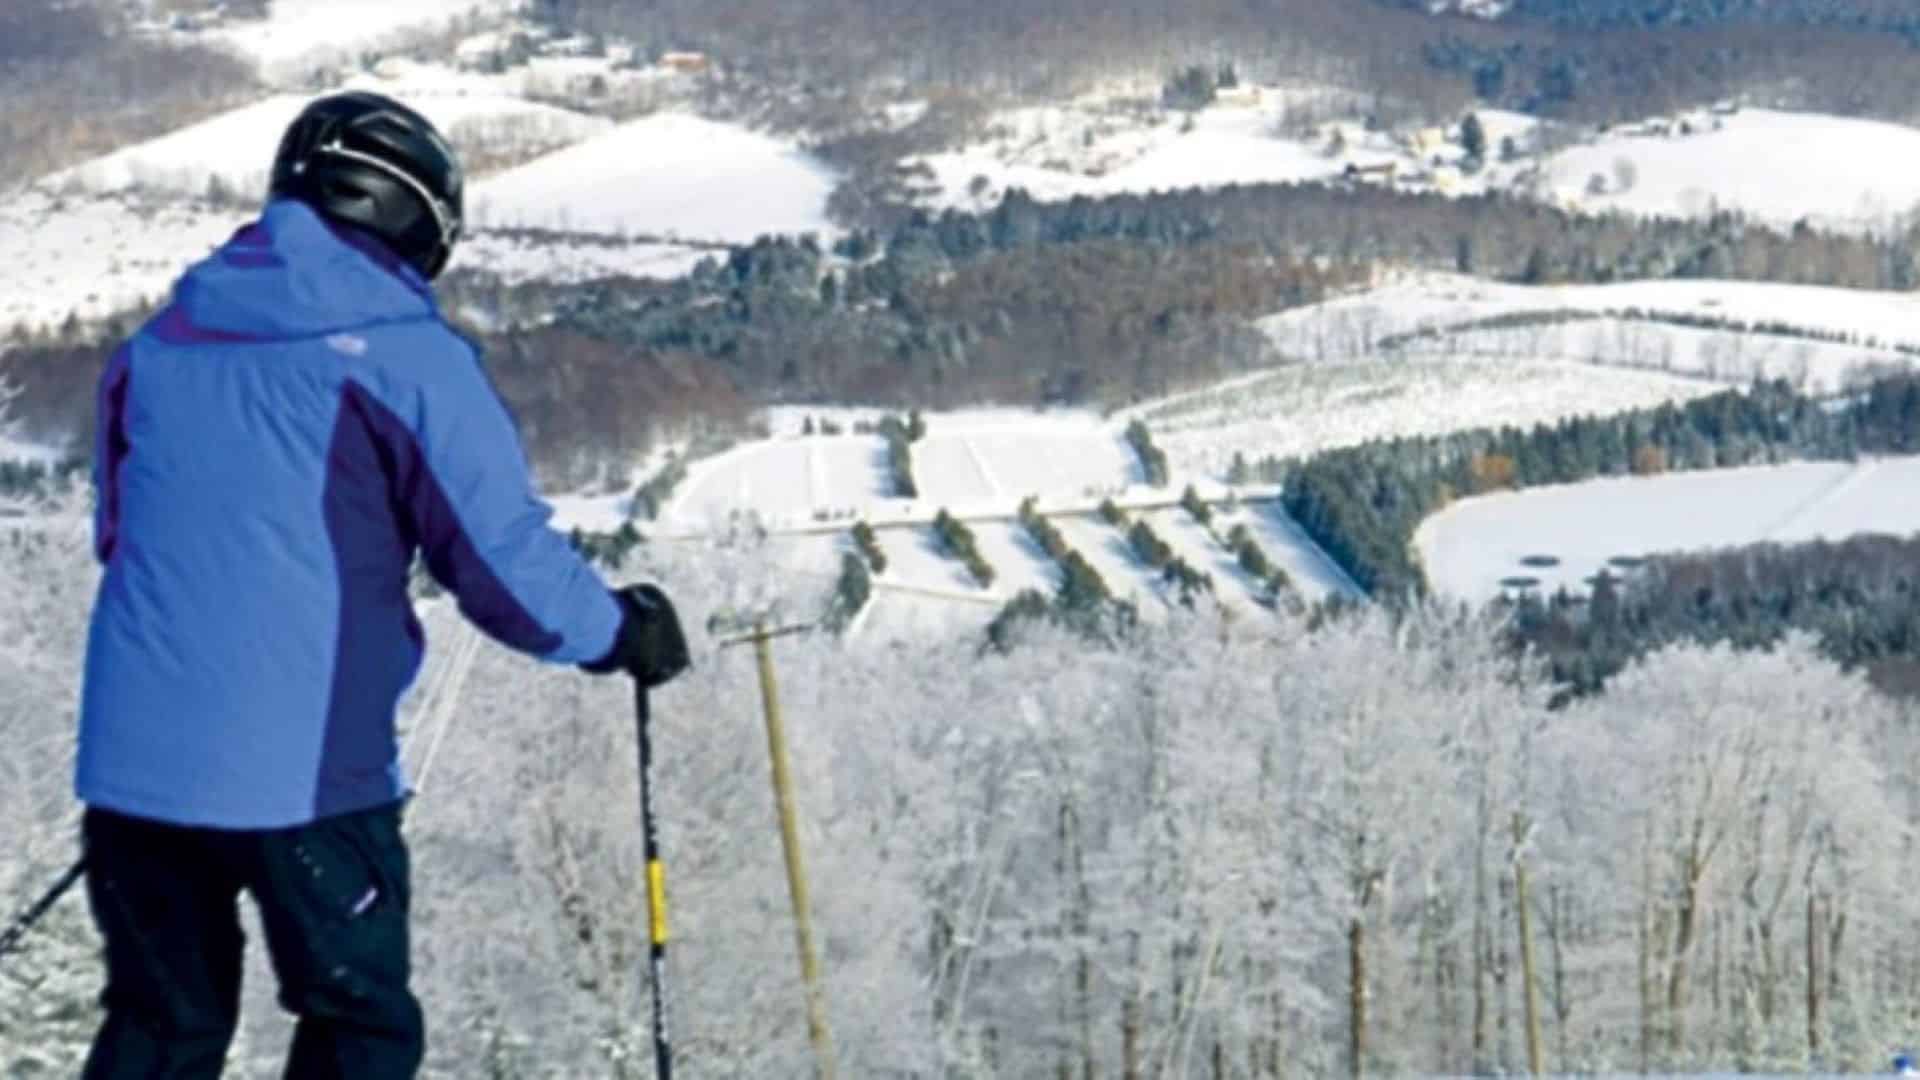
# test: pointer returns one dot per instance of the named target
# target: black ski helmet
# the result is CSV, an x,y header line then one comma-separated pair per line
x,y
369,161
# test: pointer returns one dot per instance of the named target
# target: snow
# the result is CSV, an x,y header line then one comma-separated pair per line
x,y
1721,355
301,36
1193,542
1764,328
1780,167
1062,453
785,481
1018,563
95,256
236,148
1302,409
914,557
1355,324
26,452
1313,573
1057,152
590,513
671,175
1471,546
1105,549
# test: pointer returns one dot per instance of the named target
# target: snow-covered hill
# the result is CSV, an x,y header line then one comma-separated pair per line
x,y
1780,167
233,152
670,174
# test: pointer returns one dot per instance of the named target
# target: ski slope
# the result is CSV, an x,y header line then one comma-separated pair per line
x,y
1469,548
671,175
1780,167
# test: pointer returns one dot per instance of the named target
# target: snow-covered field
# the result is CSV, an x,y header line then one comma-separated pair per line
x,y
971,462
1780,167
1116,145
1720,355
1355,325
1819,336
1302,409
93,256
670,174
1472,546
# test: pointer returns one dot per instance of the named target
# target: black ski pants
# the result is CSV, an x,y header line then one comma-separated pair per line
x,y
333,900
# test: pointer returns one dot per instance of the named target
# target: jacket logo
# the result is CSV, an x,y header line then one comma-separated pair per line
x,y
349,344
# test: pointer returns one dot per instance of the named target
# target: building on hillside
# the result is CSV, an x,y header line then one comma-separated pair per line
x,y
1241,95
1382,172
686,63
1425,142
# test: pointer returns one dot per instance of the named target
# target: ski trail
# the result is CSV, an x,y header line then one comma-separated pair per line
x,y
1845,483
980,466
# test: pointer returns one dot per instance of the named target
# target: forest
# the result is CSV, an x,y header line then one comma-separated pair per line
x,y
1214,849
1591,60
74,84
1859,598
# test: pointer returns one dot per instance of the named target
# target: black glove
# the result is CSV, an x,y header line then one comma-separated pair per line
x,y
650,645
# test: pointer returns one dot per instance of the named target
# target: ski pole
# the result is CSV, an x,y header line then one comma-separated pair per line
x,y
656,886
10,940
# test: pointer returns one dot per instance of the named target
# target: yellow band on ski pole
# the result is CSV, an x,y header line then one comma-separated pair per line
x,y
657,900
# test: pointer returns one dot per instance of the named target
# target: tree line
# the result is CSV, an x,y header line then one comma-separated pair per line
x,y
1859,598
1363,503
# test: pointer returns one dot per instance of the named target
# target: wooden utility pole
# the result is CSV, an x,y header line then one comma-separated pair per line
x,y
817,1032
1529,988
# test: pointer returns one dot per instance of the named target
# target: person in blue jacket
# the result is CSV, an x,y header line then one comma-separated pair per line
x,y
273,449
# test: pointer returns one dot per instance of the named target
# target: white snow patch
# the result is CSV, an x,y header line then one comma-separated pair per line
x,y
95,256
1780,167
670,175
1469,548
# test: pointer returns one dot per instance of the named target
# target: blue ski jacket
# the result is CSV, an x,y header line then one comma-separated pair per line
x,y
273,448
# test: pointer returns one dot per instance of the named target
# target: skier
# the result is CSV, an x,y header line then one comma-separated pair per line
x,y
273,449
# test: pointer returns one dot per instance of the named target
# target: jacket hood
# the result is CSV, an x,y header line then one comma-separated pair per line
x,y
292,275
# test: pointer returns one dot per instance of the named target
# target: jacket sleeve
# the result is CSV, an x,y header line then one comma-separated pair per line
x,y
109,451
484,530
